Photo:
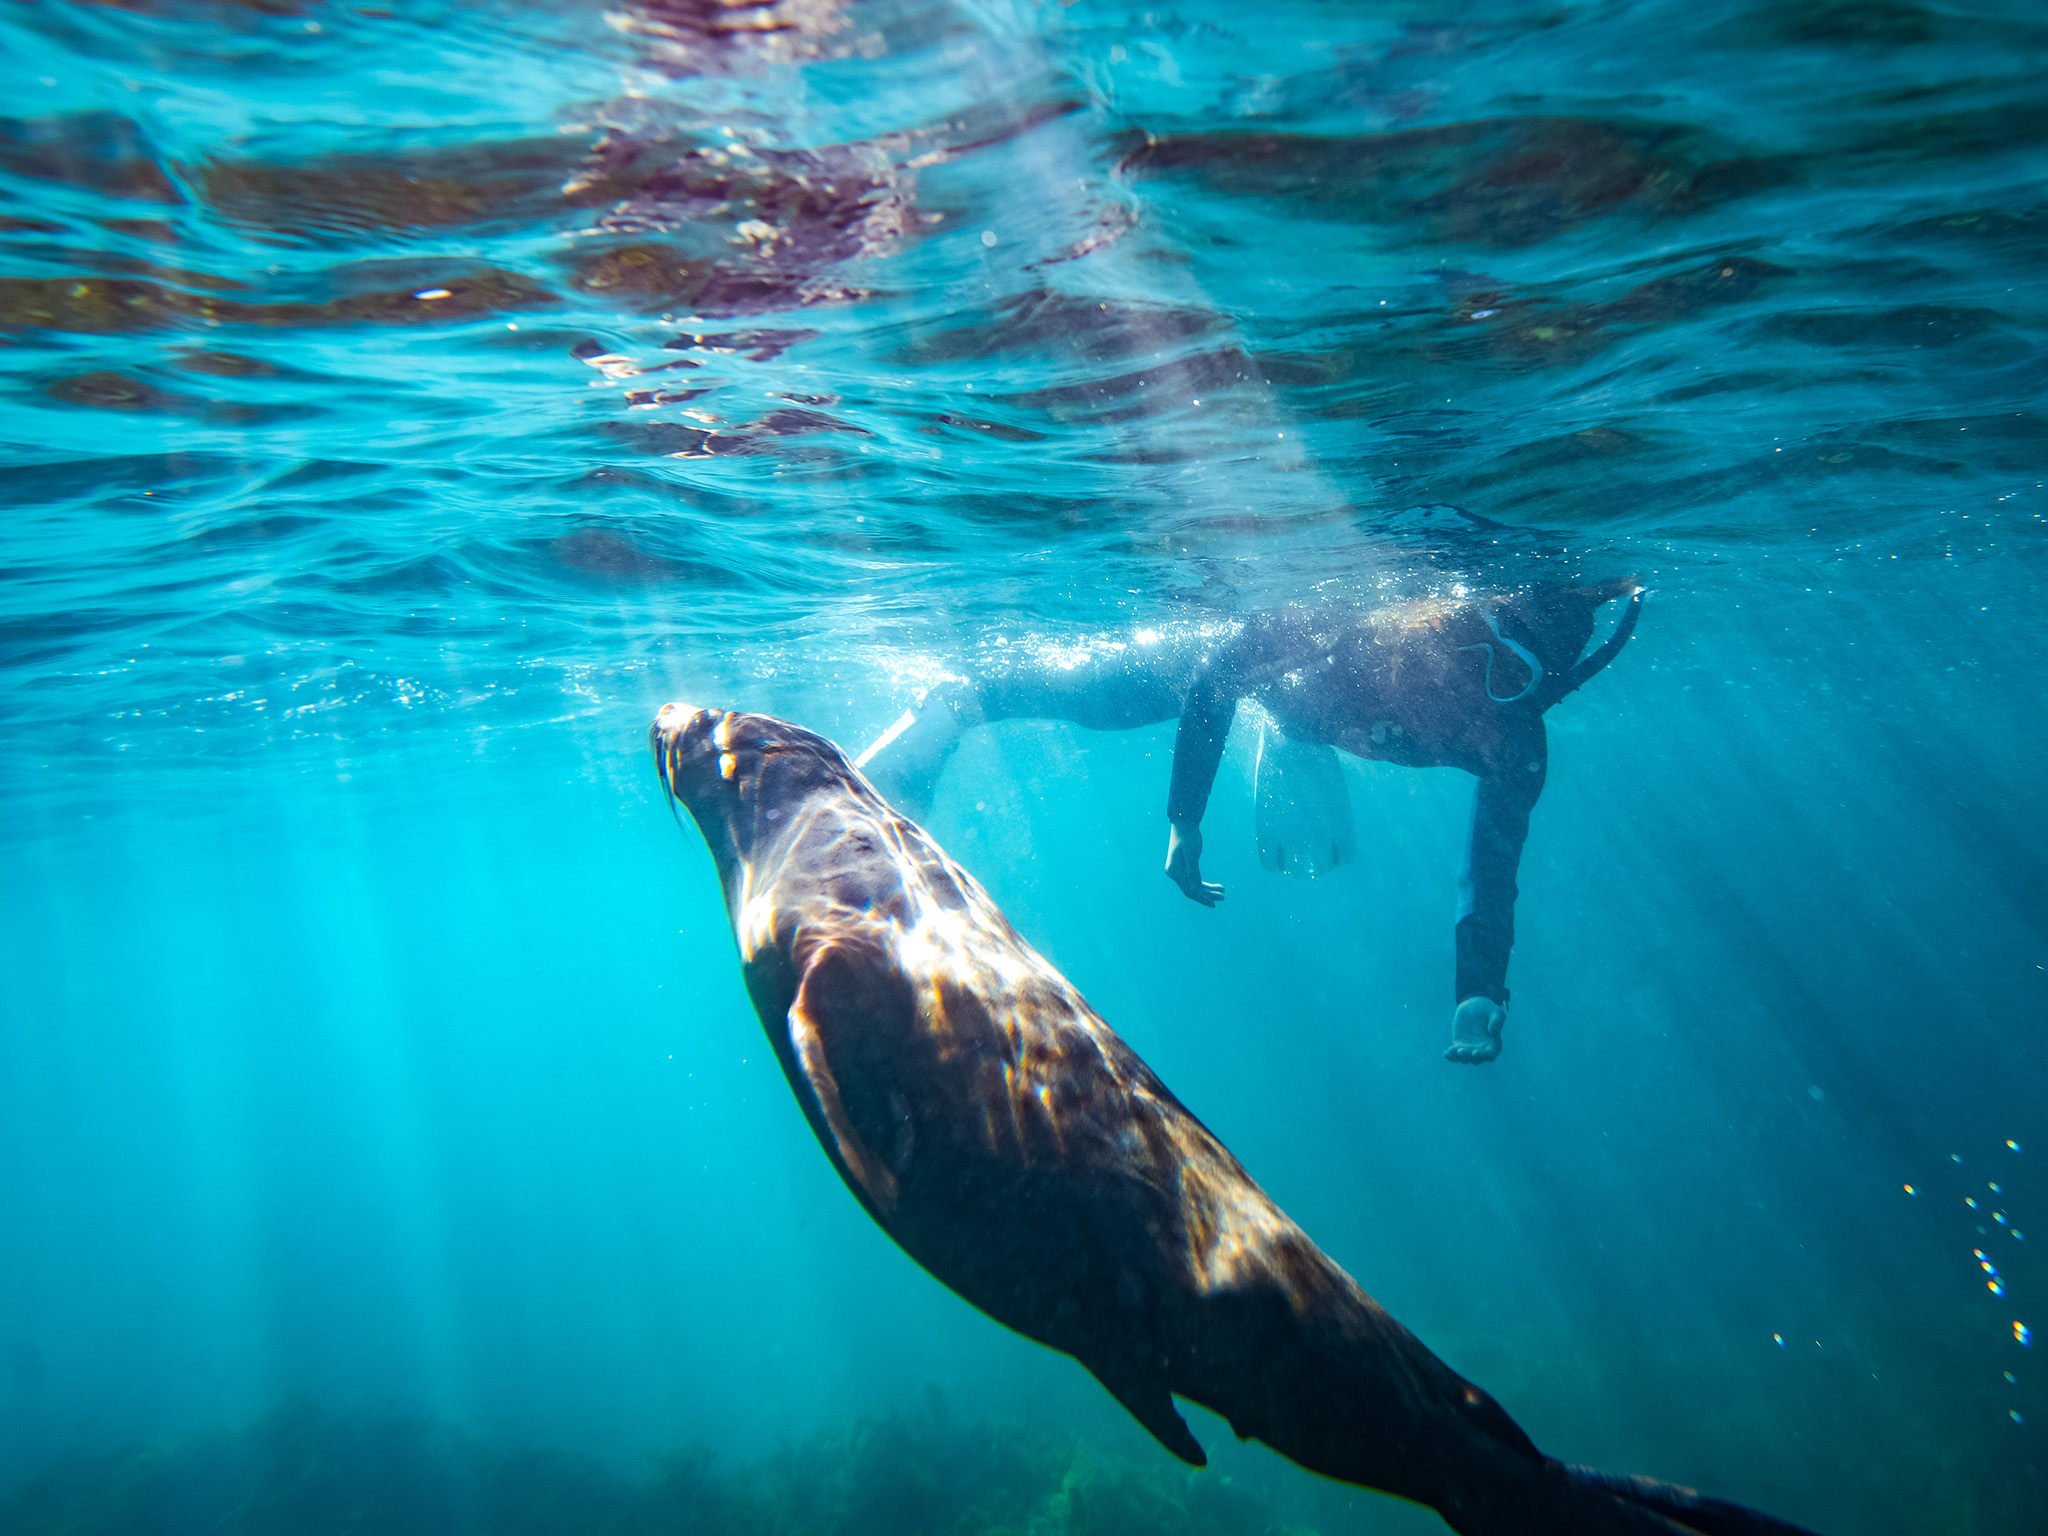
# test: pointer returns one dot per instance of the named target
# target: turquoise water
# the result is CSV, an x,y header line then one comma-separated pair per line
x,y
404,401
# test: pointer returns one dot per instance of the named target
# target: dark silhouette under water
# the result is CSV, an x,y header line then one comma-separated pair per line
x,y
995,1127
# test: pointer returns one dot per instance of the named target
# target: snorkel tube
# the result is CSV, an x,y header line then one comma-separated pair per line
x,y
1570,682
1523,654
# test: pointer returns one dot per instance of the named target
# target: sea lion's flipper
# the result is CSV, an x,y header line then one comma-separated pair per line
x,y
1304,807
834,989
1152,1406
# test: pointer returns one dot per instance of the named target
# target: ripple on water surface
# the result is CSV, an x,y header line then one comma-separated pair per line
x,y
383,357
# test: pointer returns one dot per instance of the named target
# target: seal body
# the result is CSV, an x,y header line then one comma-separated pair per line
x,y
1013,1145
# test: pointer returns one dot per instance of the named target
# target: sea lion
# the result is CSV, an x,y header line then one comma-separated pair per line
x,y
1002,1134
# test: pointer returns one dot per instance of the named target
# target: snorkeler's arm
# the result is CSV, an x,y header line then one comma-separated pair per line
x,y
1493,856
1197,753
1198,746
1184,864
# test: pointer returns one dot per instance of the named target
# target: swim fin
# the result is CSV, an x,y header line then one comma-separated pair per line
x,y
1303,807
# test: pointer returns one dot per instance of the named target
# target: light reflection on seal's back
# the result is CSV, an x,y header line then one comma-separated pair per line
x,y
1014,1146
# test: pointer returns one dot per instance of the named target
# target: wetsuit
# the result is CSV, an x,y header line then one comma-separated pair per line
x,y
1113,685
1427,685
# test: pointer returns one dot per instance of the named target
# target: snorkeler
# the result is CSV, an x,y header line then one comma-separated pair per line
x,y
1436,683
1430,684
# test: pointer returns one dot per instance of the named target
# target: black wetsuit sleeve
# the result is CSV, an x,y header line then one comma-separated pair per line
x,y
1268,644
1493,855
1198,745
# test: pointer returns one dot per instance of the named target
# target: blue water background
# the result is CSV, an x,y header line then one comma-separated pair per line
x,y
370,1038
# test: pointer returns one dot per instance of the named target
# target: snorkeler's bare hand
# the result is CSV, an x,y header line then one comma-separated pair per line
x,y
1475,1031
1184,864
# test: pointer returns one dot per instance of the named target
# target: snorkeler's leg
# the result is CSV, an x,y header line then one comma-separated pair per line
x,y
905,761
1115,685
1110,687
1303,808
1486,897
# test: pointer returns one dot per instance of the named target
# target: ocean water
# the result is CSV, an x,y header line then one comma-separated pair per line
x,y
402,401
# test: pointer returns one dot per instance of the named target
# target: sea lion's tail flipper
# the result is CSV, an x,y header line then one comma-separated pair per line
x,y
1152,1406
1578,1501
1549,1498
1683,1507
1304,808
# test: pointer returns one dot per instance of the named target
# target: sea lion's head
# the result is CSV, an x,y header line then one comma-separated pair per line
x,y
741,775
755,785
